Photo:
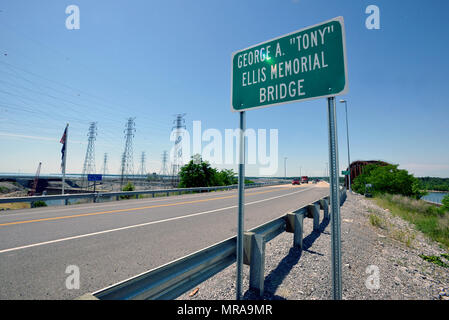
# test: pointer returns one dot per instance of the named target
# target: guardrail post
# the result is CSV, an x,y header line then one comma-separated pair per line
x,y
314,211
295,225
254,256
342,196
324,205
117,198
66,201
152,193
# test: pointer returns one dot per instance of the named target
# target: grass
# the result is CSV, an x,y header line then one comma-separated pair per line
x,y
436,260
427,218
377,221
14,206
403,236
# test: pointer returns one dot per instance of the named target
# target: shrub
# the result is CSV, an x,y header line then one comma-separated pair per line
x,y
129,187
435,259
445,203
377,221
37,204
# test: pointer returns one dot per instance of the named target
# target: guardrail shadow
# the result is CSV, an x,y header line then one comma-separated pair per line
x,y
276,276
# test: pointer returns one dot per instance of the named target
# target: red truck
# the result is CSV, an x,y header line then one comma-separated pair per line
x,y
304,179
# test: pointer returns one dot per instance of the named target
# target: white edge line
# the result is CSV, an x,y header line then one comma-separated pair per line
x,y
179,259
142,224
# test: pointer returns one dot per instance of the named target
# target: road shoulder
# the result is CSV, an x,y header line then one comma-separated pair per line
x,y
367,251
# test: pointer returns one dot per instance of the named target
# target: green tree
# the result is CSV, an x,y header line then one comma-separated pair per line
x,y
445,203
388,179
437,184
199,173
227,177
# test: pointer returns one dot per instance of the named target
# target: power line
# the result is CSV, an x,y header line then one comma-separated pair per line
x,y
104,105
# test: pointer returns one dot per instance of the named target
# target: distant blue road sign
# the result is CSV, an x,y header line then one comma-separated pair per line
x,y
94,177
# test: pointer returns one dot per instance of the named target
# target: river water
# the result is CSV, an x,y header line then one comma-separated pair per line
x,y
435,196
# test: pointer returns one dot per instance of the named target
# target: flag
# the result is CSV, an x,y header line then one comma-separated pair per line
x,y
63,141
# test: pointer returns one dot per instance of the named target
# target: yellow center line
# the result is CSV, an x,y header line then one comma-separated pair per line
x,y
131,209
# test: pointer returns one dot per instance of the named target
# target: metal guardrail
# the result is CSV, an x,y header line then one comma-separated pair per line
x,y
118,195
175,278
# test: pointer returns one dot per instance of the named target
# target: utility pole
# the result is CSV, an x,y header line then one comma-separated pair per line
x,y
285,167
347,138
127,167
89,160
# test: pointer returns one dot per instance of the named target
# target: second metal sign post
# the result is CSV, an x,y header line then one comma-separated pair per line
x,y
303,65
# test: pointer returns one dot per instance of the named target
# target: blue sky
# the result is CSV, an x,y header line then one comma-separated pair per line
x,y
153,59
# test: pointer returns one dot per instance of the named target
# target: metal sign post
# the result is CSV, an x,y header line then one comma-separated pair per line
x,y
241,211
306,64
335,201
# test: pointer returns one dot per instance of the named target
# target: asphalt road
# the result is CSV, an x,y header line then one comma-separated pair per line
x,y
112,241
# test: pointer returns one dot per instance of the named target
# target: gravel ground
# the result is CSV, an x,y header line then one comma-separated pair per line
x,y
393,249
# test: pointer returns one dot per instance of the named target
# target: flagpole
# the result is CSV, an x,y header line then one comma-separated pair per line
x,y
65,157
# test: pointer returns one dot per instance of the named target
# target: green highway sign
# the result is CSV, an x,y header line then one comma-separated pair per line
x,y
345,173
303,65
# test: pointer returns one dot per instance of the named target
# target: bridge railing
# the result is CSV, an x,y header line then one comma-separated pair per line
x,y
175,278
119,195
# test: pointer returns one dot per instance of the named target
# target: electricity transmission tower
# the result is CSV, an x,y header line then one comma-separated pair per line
x,y
105,170
89,160
127,167
142,169
177,154
164,168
